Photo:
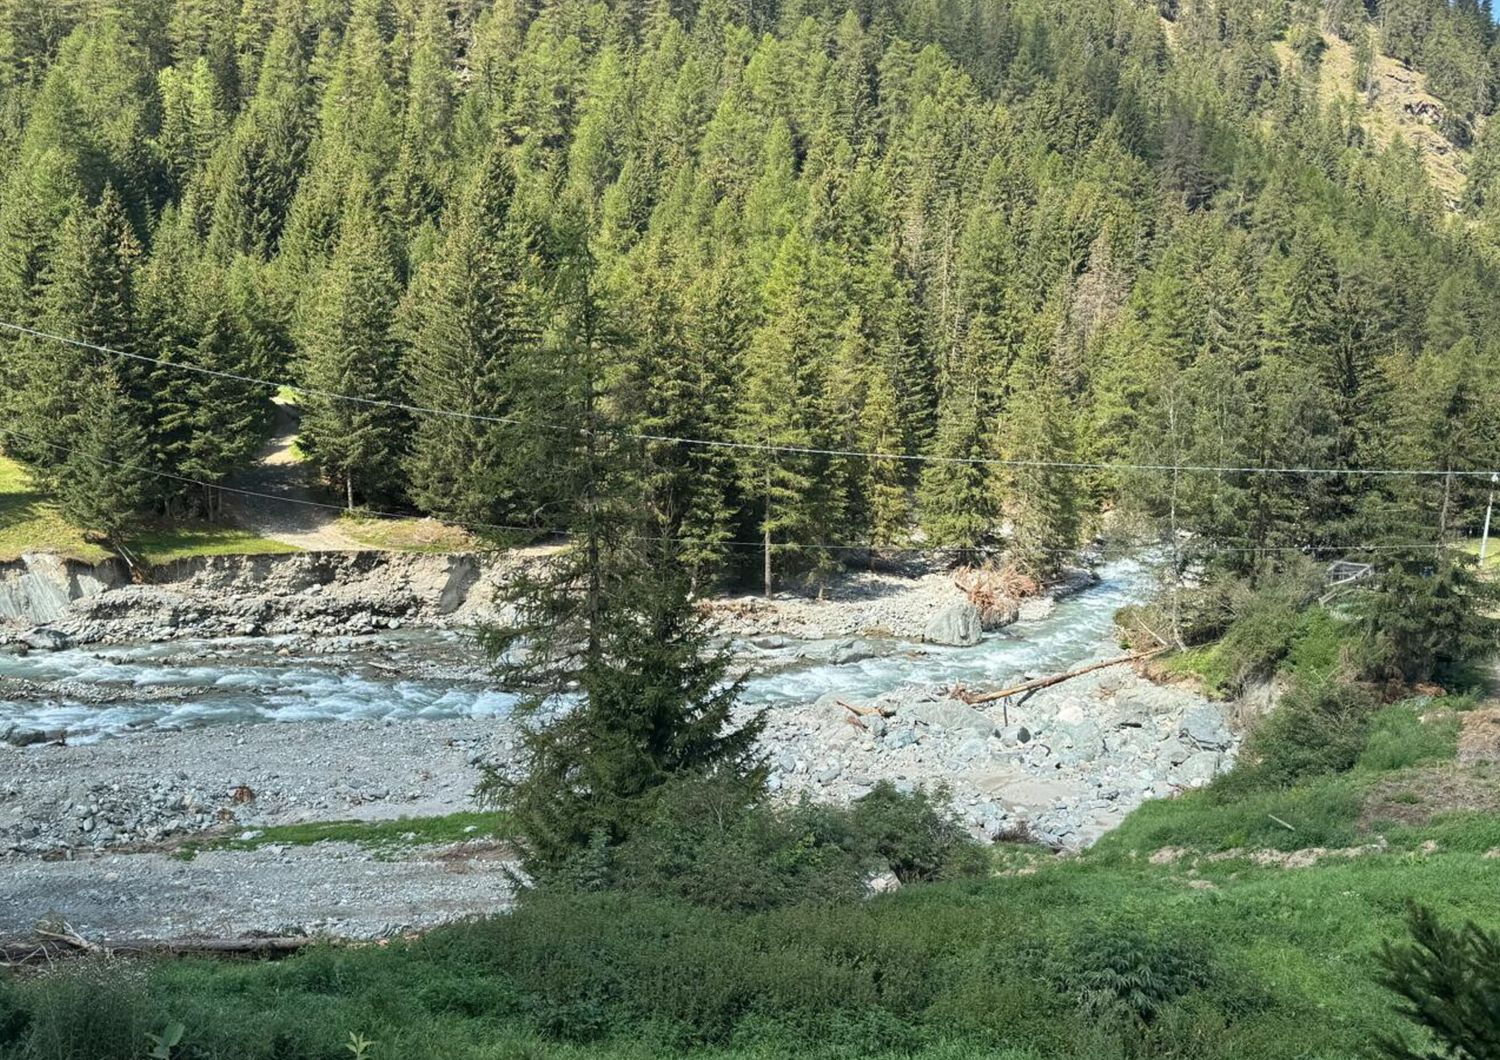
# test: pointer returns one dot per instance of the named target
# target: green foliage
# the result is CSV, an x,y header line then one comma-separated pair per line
x,y
1317,729
352,349
1238,815
714,842
654,703
717,842
1403,736
1276,964
1129,975
1449,982
1429,619
162,1044
98,1011
914,835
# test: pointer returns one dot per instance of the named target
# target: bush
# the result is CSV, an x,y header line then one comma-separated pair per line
x,y
912,834
716,842
14,1018
1319,728
1399,738
97,1010
1127,975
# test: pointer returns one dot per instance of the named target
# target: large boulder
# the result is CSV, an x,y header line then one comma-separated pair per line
x,y
1204,726
44,639
959,625
952,715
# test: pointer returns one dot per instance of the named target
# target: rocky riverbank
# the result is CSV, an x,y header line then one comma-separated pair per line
x,y
1064,767
48,603
345,705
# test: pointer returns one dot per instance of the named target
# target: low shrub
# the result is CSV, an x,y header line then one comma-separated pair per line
x,y
14,1018
1319,728
95,1010
1126,975
716,842
914,835
1404,735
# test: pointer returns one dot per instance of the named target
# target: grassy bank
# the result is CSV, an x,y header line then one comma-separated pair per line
x,y
1257,962
29,522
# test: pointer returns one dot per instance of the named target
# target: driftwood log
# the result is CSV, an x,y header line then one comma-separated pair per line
x,y
1028,687
54,945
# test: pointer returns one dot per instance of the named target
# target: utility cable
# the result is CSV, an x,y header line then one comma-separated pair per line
x,y
766,447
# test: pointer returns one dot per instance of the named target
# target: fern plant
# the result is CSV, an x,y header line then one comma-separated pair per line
x,y
162,1044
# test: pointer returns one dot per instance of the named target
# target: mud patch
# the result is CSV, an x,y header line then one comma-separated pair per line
x,y
1418,796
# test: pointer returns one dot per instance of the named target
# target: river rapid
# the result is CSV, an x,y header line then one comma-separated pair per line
x,y
104,691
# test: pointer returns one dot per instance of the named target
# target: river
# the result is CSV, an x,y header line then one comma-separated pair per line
x,y
103,691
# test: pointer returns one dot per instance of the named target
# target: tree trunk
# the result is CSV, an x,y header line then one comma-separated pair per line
x,y
349,489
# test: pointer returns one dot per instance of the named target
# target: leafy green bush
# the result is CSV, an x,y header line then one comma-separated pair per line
x,y
716,842
1242,632
1319,728
915,835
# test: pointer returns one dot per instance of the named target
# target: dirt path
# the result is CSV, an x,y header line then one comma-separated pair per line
x,y
279,473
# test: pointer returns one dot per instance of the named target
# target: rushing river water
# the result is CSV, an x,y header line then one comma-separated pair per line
x,y
91,693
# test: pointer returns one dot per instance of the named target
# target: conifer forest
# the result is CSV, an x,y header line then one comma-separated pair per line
x,y
1022,252
749,529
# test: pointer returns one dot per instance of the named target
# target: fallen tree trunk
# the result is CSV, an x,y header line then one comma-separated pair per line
x,y
1028,687
53,945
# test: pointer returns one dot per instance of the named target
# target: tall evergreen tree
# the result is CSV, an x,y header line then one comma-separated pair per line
x,y
351,349
474,345
610,622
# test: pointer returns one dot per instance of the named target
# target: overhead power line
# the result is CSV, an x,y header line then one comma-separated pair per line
x,y
794,545
765,447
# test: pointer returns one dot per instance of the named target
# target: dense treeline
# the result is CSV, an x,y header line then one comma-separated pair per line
x,y
1092,232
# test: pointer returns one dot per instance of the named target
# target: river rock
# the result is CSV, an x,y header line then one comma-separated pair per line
x,y
949,714
1015,735
959,625
1197,770
1204,725
44,639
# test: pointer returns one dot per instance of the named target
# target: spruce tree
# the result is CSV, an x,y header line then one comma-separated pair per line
x,y
89,297
101,486
351,348
1044,497
671,388
885,486
959,498
474,344
783,409
609,624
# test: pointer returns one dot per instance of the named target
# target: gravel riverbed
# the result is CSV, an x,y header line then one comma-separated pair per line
x,y
856,691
